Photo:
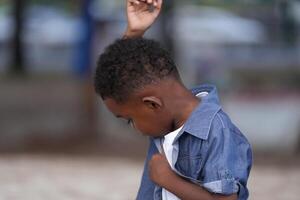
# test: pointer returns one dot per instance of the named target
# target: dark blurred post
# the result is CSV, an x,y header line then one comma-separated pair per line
x,y
18,57
84,68
288,23
167,24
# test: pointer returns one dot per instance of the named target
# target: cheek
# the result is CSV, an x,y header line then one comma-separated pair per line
x,y
150,122
153,126
145,126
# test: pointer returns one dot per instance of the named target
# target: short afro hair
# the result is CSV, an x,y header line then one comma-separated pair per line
x,y
129,64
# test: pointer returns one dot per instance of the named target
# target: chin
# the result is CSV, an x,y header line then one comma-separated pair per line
x,y
157,135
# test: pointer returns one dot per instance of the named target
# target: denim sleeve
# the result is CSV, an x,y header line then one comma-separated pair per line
x,y
147,187
228,162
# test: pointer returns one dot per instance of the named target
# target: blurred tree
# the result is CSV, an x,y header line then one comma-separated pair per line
x,y
67,5
84,69
18,56
167,24
85,47
288,23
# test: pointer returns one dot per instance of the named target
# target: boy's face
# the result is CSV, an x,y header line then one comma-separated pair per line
x,y
147,115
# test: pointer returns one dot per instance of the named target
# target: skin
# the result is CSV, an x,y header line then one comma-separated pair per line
x,y
168,110
155,110
139,17
156,104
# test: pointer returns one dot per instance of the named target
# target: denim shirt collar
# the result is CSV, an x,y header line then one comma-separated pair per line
x,y
199,122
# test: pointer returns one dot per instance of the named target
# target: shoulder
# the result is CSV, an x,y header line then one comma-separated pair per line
x,y
223,128
221,120
222,135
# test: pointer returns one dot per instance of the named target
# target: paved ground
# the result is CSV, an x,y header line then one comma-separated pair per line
x,y
29,177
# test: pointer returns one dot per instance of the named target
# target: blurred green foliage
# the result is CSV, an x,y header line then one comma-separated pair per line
x,y
4,2
66,5
237,6
50,2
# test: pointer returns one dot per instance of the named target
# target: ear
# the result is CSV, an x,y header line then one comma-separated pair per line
x,y
152,102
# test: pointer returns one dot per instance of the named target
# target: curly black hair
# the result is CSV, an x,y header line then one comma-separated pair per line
x,y
129,64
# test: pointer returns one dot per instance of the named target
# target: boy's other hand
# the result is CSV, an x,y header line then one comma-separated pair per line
x,y
159,170
141,14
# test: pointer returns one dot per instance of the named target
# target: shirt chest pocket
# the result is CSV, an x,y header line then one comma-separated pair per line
x,y
189,166
189,161
190,156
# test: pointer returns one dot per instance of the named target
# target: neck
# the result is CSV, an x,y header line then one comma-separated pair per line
x,y
183,103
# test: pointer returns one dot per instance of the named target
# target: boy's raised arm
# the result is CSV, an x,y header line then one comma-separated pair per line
x,y
141,14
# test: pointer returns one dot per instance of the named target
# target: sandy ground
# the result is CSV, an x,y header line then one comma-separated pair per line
x,y
40,177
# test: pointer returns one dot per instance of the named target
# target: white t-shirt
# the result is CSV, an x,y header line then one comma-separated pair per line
x,y
169,149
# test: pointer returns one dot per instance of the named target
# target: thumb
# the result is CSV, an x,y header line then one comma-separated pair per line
x,y
157,8
159,4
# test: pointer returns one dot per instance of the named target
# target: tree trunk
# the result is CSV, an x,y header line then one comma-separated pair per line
x,y
18,56
167,24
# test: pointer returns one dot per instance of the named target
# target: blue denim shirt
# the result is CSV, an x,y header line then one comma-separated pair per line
x,y
213,153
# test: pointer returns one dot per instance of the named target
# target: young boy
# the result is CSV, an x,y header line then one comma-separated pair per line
x,y
195,153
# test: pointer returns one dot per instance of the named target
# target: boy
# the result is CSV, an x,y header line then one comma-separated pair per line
x,y
195,152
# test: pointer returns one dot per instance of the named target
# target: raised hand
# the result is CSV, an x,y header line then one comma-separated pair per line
x,y
141,14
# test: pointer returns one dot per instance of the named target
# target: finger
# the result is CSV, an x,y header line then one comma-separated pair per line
x,y
158,7
139,2
159,4
131,2
150,2
155,157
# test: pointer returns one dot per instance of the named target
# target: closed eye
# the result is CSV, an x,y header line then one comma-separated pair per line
x,y
128,121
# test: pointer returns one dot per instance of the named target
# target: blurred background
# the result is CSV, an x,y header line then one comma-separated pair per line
x,y
58,141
